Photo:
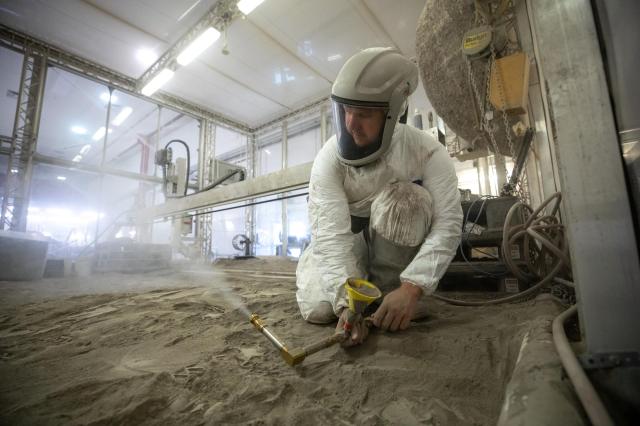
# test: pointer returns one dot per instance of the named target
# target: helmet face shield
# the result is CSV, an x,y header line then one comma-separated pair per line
x,y
360,129
367,95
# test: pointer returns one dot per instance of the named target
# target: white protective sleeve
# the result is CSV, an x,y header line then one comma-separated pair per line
x,y
439,248
331,228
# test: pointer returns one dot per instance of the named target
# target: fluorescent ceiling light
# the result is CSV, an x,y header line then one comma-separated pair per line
x,y
85,149
198,46
61,178
157,82
247,6
14,170
78,130
99,134
77,158
126,111
104,96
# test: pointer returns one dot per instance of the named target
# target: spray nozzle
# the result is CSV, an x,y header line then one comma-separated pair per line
x,y
360,294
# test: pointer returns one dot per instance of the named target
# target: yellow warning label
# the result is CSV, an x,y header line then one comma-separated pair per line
x,y
475,40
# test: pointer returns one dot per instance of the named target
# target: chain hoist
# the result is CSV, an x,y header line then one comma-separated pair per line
x,y
477,44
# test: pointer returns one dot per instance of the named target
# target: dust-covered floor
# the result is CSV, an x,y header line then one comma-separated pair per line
x,y
176,347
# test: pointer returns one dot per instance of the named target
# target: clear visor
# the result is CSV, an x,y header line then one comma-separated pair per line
x,y
359,128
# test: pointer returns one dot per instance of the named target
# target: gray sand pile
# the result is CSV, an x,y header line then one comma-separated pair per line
x,y
185,353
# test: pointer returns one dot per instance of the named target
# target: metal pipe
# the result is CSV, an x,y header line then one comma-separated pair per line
x,y
285,164
257,323
322,344
587,394
297,355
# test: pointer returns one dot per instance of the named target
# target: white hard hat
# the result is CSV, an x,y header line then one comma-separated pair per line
x,y
378,77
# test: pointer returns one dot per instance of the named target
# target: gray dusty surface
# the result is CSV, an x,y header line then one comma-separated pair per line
x,y
176,347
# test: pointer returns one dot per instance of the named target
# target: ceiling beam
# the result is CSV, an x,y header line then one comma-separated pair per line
x,y
219,16
18,41
310,107
110,171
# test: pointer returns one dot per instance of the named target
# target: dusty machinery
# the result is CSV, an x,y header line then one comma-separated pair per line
x,y
360,294
175,175
478,262
527,254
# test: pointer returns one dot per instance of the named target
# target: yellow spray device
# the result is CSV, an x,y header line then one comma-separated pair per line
x,y
360,294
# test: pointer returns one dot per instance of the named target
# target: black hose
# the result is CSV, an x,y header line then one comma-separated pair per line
x,y
223,179
186,183
527,230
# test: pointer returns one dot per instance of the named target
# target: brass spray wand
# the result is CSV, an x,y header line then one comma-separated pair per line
x,y
360,294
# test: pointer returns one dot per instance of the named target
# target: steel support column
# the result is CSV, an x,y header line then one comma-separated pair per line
x,y
103,161
250,211
205,159
15,202
596,202
285,219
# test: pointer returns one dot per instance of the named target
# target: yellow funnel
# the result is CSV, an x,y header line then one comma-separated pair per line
x,y
360,294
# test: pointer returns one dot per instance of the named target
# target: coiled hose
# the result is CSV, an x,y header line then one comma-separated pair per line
x,y
544,245
546,253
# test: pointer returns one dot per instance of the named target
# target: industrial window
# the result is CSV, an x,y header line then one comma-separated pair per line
x,y
72,124
10,69
133,134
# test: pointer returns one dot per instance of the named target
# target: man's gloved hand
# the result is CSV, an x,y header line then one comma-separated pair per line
x,y
359,330
397,308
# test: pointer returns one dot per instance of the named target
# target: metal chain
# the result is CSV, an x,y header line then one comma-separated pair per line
x,y
520,189
505,119
483,103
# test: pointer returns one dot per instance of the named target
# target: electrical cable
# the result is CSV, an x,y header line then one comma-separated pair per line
x,y
588,396
484,199
552,249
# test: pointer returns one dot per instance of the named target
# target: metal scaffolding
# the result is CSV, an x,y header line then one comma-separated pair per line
x,y
15,201
204,223
20,42
250,211
219,16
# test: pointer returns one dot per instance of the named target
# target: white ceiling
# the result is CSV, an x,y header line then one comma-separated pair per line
x,y
283,56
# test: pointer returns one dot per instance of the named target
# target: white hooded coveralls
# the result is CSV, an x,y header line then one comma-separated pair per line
x,y
337,191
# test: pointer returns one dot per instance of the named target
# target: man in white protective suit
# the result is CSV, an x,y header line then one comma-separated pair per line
x,y
383,201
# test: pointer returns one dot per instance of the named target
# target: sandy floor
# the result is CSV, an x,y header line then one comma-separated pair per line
x,y
176,347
